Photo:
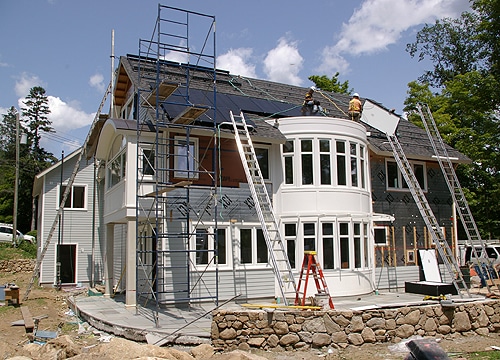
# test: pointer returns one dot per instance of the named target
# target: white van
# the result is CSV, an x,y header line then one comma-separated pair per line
x,y
6,234
491,253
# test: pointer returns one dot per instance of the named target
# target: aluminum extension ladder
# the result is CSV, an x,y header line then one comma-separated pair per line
x,y
430,220
310,265
278,257
462,206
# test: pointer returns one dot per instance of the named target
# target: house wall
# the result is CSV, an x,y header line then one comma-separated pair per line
x,y
409,227
344,207
74,228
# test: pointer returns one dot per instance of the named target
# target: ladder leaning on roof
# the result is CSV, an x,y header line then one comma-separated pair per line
x,y
278,257
451,178
65,196
430,220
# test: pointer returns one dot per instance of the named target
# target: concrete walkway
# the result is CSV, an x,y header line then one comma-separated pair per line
x,y
193,325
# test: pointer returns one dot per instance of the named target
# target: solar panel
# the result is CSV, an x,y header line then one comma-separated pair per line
x,y
176,104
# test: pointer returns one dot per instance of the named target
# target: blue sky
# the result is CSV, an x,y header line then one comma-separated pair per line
x,y
65,47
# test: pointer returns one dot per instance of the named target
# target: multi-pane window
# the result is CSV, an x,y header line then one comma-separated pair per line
x,y
290,238
328,245
148,161
354,164
186,158
362,165
341,163
309,233
205,246
76,197
116,169
344,245
306,151
201,246
221,246
395,179
263,160
288,151
365,245
325,162
246,246
250,240
262,252
357,245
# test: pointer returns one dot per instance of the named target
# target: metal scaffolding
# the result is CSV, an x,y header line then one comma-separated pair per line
x,y
176,182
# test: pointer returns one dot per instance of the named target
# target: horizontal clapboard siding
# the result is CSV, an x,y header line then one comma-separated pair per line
x,y
75,224
402,275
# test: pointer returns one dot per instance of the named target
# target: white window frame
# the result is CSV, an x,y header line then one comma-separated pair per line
x,y
211,246
289,155
386,231
142,157
120,158
181,168
268,150
400,179
71,197
312,156
330,155
253,233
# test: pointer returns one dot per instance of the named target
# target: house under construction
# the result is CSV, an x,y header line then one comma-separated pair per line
x,y
190,212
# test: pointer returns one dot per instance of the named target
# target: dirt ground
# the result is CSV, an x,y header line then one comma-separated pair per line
x,y
51,306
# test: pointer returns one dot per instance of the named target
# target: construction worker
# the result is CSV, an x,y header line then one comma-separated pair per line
x,y
355,107
310,105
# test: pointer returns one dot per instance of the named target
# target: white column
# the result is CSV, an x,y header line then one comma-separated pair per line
x,y
109,261
131,283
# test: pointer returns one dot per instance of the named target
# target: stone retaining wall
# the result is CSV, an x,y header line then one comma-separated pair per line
x,y
19,265
288,330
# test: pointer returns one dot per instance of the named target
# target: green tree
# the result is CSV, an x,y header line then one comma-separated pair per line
x,y
462,91
32,157
35,114
333,84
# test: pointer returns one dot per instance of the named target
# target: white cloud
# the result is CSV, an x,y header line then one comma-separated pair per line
x,y
65,117
284,62
236,62
25,83
376,24
177,56
97,81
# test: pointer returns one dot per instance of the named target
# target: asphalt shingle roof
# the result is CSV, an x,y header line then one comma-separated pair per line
x,y
261,100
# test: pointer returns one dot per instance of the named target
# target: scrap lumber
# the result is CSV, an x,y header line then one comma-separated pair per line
x,y
29,323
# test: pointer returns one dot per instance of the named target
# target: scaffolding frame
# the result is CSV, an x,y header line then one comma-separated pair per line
x,y
169,223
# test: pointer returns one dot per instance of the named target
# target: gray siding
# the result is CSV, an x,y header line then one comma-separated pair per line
x,y
402,274
249,284
74,228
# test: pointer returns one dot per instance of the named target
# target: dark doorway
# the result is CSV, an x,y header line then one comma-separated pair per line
x,y
67,258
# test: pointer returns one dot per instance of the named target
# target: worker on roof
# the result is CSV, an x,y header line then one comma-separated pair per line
x,y
310,106
355,107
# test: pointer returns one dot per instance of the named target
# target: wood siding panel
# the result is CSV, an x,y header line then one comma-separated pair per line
x,y
75,225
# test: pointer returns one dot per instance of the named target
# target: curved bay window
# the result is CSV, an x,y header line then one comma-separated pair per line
x,y
325,162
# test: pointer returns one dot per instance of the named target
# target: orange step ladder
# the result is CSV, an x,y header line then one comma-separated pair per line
x,y
310,265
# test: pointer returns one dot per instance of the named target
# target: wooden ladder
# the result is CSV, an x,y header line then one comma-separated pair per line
x,y
310,265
